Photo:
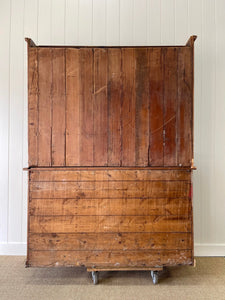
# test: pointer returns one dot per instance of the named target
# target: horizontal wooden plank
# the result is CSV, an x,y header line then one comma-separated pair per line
x,y
110,189
110,241
110,258
66,224
121,207
109,175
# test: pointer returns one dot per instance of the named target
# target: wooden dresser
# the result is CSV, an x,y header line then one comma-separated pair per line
x,y
110,156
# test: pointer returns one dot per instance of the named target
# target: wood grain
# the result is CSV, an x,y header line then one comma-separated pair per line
x,y
110,258
107,174
32,106
156,117
63,224
128,107
73,87
110,241
58,108
45,107
114,107
100,109
118,207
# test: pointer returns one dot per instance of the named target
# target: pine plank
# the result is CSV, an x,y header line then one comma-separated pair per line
x,y
110,241
156,116
45,107
110,258
66,224
32,106
100,107
58,107
114,107
128,107
73,86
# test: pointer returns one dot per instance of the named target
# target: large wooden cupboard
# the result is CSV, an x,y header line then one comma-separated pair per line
x,y
110,147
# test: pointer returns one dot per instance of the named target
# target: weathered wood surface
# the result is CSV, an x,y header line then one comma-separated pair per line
x,y
110,258
110,106
110,241
113,207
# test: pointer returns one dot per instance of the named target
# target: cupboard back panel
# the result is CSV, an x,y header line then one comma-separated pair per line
x,y
114,218
110,106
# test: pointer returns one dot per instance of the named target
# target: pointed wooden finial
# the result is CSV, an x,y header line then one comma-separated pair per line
x,y
191,41
30,43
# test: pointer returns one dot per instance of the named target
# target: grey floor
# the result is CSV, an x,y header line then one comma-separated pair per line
x,y
205,281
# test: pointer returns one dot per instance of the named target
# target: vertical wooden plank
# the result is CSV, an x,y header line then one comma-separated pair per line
x,y
72,107
86,107
142,107
45,99
126,22
140,22
114,107
71,22
4,116
99,22
167,22
113,22
128,107
32,106
85,22
58,107
170,107
100,108
185,109
58,22
156,107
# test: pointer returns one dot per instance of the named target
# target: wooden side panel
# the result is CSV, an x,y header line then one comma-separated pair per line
x,y
114,107
170,106
156,122
110,189
58,107
63,224
73,86
128,107
142,107
45,105
185,106
107,207
110,258
110,241
86,107
32,106
109,175
100,108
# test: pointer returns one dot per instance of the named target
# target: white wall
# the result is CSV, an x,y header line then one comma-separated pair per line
x,y
115,22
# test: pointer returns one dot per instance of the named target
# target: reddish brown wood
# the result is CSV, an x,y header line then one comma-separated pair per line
x,y
156,126
128,107
73,87
58,108
45,107
142,108
86,107
114,107
33,106
100,108
170,106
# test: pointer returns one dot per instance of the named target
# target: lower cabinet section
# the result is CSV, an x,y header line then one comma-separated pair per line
x,y
105,217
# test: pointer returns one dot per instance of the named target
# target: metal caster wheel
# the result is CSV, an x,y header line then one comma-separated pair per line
x,y
94,276
155,277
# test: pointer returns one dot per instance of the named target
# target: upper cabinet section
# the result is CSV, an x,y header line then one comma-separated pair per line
x,y
110,106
